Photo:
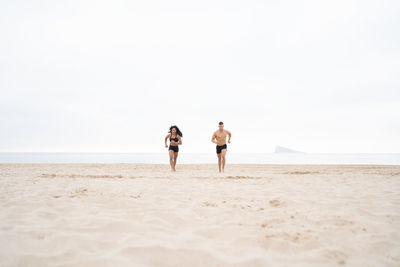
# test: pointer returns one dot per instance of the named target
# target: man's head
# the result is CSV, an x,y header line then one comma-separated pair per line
x,y
221,125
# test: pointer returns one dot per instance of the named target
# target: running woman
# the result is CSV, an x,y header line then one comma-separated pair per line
x,y
175,139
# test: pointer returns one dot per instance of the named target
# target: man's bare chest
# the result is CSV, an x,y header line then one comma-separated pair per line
x,y
220,135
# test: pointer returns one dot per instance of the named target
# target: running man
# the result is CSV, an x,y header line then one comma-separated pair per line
x,y
219,138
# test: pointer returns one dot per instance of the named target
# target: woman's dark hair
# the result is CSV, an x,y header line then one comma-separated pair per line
x,y
178,132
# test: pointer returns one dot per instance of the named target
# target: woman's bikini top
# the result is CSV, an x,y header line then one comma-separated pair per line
x,y
175,138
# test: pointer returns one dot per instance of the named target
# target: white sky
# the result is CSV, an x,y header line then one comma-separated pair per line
x,y
112,76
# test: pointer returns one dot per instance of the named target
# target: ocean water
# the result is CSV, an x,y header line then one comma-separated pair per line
x,y
202,158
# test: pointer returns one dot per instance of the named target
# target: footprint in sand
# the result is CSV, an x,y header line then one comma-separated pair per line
x,y
79,192
208,204
275,203
338,256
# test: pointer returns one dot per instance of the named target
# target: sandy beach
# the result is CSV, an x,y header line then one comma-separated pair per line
x,y
252,215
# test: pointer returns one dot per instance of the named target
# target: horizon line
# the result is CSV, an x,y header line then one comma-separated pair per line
x,y
119,152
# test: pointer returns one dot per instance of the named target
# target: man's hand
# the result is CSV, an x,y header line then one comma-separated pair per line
x,y
229,141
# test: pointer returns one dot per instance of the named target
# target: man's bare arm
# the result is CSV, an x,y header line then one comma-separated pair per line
x,y
213,138
229,136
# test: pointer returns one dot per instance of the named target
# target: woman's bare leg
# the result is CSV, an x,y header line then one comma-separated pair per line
x,y
175,159
171,159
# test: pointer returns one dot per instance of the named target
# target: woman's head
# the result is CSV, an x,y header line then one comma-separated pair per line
x,y
175,130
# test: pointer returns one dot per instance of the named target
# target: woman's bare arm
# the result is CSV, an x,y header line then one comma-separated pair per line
x,y
166,138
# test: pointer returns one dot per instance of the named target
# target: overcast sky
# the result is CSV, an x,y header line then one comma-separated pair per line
x,y
112,76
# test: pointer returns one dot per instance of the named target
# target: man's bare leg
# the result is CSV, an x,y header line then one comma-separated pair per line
x,y
175,159
219,161
223,154
171,159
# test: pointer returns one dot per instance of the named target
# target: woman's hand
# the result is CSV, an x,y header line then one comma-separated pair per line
x,y
166,145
